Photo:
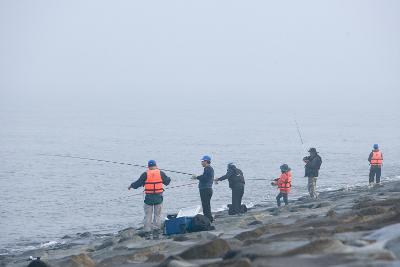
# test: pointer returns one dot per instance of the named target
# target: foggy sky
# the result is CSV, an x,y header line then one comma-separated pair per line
x,y
256,52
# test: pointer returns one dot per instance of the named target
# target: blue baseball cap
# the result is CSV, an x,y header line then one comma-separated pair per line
x,y
206,158
376,146
151,163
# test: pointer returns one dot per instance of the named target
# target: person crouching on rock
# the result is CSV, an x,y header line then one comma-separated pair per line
x,y
284,183
152,180
236,183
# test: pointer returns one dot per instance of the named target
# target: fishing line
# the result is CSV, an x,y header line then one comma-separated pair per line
x,y
113,162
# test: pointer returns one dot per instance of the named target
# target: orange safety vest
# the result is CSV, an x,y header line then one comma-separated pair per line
x,y
285,182
377,158
153,183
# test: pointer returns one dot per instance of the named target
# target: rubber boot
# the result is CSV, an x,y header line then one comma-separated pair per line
x,y
147,235
156,234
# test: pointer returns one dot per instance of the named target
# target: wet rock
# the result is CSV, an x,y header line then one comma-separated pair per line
x,y
386,233
66,237
242,262
85,235
252,233
127,234
175,261
213,249
321,205
180,238
107,243
255,223
157,257
394,246
81,260
371,211
318,247
331,213
270,249
325,260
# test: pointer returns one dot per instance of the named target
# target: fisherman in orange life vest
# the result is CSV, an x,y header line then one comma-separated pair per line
x,y
284,183
375,160
152,180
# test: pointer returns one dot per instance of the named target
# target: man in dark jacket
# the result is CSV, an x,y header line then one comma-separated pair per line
x,y
236,183
206,181
313,164
152,180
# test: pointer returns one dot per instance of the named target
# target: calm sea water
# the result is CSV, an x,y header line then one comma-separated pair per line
x,y
44,198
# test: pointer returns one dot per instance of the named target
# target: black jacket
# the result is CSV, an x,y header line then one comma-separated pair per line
x,y
312,166
151,199
207,178
234,176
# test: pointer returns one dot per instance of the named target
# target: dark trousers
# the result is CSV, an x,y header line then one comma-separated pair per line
x,y
375,171
205,196
237,195
284,196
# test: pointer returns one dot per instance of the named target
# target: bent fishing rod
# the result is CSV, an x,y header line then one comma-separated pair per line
x,y
113,162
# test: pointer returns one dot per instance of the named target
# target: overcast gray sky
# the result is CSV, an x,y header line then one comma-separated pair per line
x,y
257,51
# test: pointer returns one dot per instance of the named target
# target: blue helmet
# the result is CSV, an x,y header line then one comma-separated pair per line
x,y
206,158
151,163
284,168
376,146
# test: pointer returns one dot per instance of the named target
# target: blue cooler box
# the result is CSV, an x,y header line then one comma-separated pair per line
x,y
179,225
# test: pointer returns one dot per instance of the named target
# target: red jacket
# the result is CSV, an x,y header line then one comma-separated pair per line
x,y
285,182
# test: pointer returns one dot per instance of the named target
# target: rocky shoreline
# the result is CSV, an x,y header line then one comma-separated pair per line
x,y
357,227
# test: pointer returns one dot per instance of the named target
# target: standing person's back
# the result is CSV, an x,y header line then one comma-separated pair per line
x,y
152,180
236,183
375,160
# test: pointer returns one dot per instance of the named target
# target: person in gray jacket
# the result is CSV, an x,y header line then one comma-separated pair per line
x,y
236,184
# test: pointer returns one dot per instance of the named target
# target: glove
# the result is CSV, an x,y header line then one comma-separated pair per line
x,y
194,177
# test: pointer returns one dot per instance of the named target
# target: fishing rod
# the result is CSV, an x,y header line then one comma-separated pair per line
x,y
113,162
171,187
298,131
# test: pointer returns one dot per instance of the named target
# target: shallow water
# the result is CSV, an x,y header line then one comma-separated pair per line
x,y
44,198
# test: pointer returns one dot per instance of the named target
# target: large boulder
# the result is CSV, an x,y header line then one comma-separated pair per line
x,y
252,234
213,249
319,246
81,260
242,262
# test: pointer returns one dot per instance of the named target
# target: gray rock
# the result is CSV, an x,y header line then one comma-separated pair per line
x,y
213,249
242,262
319,247
107,243
81,260
394,246
252,233
256,222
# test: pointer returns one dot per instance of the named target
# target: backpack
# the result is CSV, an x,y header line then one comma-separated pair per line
x,y
201,223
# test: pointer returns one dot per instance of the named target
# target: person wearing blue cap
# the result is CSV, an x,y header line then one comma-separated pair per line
x,y
205,186
152,180
375,160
